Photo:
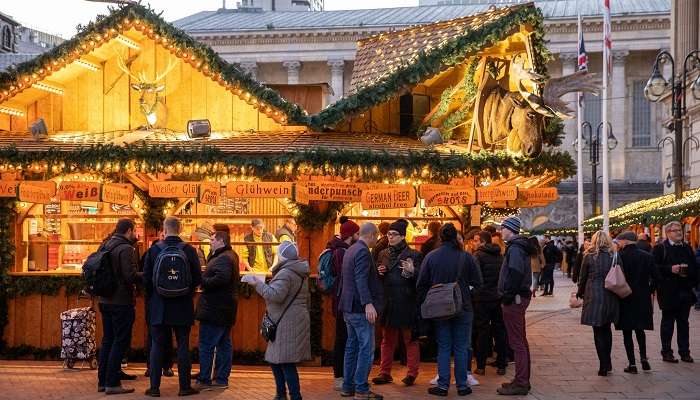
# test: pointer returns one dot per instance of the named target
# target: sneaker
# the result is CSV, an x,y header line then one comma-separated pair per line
x,y
219,386
436,391
204,387
632,369
118,390
188,392
645,364
409,380
434,381
152,392
368,396
338,384
471,381
513,390
347,394
382,379
464,392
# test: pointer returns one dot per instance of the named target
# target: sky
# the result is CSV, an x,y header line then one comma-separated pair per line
x,y
62,16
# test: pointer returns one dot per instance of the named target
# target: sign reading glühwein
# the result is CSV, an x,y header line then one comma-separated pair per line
x,y
273,190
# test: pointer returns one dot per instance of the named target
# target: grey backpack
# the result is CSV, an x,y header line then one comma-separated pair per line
x,y
444,300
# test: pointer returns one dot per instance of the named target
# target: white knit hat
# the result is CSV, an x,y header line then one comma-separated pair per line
x,y
287,251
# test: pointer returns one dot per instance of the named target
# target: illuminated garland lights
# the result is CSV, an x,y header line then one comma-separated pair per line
x,y
145,20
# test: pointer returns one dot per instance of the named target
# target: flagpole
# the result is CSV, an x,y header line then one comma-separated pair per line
x,y
579,151
606,168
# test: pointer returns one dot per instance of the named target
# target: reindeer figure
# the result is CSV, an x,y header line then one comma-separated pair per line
x,y
150,100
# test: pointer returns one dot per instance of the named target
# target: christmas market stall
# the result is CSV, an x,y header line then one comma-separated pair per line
x,y
445,122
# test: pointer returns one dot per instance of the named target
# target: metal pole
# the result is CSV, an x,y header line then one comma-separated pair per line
x,y
579,171
678,132
594,190
606,167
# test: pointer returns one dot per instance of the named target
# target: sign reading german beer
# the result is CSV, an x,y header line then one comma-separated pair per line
x,y
446,195
332,191
403,197
496,193
78,191
37,191
209,193
172,189
118,193
8,188
539,195
272,190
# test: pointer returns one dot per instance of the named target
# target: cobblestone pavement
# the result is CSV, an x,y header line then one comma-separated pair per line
x,y
564,367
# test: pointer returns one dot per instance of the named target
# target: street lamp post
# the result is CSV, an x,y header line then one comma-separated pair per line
x,y
656,88
594,156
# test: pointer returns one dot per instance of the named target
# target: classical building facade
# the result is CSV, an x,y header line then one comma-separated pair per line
x,y
319,47
281,5
20,43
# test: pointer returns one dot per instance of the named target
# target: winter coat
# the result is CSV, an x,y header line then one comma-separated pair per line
x,y
644,245
552,254
675,291
338,248
442,265
636,311
516,273
125,265
600,306
360,285
171,311
400,296
431,244
537,261
217,303
293,339
489,259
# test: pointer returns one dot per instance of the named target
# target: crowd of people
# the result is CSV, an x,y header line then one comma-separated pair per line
x,y
381,284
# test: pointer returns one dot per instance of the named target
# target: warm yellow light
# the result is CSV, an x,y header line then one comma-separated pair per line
x,y
11,111
87,65
127,42
48,88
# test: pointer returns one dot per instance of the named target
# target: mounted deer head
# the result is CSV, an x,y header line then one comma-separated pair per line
x,y
150,89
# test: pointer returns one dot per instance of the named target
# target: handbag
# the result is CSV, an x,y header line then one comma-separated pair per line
x,y
615,280
268,327
444,300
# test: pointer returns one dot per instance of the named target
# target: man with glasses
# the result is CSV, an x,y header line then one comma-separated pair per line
x,y
678,276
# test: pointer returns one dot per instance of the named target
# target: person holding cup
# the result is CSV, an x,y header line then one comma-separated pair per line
x,y
398,269
678,275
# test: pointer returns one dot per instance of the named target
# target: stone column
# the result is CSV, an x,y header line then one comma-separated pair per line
x,y
250,67
337,70
568,67
617,111
684,28
293,68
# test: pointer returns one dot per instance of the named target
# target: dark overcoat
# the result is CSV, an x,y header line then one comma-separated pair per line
x,y
600,306
636,311
675,291
400,296
218,304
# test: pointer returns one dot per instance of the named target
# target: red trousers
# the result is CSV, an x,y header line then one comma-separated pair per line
x,y
389,340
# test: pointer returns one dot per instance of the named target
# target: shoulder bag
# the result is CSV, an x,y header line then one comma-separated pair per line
x,y
268,327
444,300
615,280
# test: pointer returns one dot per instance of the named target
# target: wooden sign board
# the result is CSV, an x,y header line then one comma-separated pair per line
x,y
173,189
301,194
467,181
210,193
37,191
118,193
539,195
377,186
333,191
8,188
404,197
475,215
79,191
447,195
271,190
497,193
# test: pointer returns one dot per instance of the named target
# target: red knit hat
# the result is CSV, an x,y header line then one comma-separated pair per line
x,y
348,229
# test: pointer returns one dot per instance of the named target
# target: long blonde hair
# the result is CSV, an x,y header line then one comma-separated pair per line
x,y
601,242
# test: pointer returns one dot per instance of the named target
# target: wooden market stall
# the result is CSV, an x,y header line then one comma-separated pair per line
x,y
98,128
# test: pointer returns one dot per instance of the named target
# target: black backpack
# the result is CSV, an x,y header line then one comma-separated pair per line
x,y
98,273
172,276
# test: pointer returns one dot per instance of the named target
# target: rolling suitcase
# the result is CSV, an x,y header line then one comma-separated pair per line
x,y
78,337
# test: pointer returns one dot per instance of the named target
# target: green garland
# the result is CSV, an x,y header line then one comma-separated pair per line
x,y
431,63
310,219
7,258
181,40
553,132
210,161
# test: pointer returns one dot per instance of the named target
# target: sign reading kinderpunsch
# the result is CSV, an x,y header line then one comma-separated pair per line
x,y
404,197
172,189
332,190
118,193
272,190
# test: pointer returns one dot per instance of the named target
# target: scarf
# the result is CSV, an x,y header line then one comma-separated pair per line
x,y
395,253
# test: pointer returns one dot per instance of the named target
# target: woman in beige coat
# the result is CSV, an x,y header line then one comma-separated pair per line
x,y
289,285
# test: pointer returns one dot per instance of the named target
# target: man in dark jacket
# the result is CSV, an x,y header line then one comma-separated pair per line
x,y
552,256
399,268
514,285
349,234
644,243
117,311
678,275
382,243
488,316
216,312
434,240
361,302
175,312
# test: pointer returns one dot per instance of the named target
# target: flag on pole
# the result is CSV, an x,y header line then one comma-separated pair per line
x,y
582,56
607,36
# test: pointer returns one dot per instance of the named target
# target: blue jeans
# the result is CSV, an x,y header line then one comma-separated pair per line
x,y
215,337
286,374
117,321
453,337
359,353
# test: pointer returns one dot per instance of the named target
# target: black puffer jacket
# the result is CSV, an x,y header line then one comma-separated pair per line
x,y
490,260
516,273
217,304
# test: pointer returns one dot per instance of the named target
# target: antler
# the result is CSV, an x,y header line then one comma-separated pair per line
x,y
580,81
167,70
122,65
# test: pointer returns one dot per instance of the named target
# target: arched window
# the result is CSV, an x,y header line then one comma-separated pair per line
x,y
7,37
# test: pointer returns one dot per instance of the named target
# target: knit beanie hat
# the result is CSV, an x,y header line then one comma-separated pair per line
x,y
513,224
399,226
348,228
627,235
287,251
